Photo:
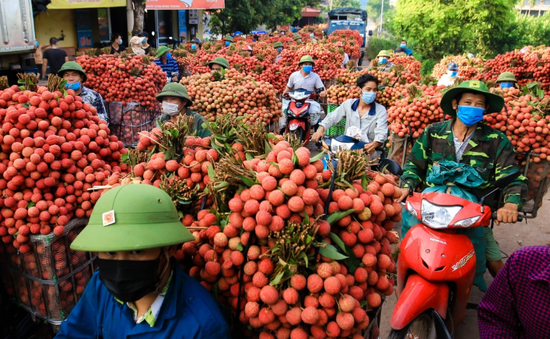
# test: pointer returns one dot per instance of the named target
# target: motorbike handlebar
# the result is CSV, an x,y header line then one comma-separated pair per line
x,y
494,216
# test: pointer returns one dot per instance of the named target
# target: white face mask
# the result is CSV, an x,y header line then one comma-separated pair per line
x,y
170,108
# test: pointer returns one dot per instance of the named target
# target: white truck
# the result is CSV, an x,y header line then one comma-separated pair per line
x,y
17,37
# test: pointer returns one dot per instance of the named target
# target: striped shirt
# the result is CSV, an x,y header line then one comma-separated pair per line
x,y
170,67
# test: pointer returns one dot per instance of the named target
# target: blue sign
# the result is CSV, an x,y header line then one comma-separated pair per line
x,y
182,25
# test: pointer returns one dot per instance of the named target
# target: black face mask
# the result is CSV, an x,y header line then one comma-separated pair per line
x,y
129,280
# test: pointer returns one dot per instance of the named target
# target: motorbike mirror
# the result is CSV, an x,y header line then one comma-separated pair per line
x,y
507,179
392,166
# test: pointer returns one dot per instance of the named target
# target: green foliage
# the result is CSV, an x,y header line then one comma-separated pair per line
x,y
374,8
378,44
246,15
528,30
427,66
342,3
446,27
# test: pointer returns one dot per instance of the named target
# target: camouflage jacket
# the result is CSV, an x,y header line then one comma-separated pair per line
x,y
489,152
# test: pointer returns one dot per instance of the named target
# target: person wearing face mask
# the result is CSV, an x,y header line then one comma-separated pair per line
x,y
168,64
312,36
449,78
406,50
145,42
175,101
136,43
306,79
279,48
139,290
298,38
383,61
346,56
196,44
116,44
464,139
73,73
228,40
506,80
362,112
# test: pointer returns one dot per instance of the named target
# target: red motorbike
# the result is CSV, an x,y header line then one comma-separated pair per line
x,y
436,266
298,114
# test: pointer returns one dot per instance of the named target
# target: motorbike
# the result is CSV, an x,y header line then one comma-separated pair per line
x,y
344,142
436,266
299,112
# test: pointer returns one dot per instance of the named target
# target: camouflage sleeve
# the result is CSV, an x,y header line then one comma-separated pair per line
x,y
505,164
416,166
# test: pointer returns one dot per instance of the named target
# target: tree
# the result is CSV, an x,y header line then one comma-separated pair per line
x,y
246,15
444,27
139,14
342,4
374,8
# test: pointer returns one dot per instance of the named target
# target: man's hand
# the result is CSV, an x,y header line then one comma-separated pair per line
x,y
404,194
371,147
175,79
507,214
318,135
323,94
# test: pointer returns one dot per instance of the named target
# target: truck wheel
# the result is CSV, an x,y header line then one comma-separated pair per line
x,y
423,327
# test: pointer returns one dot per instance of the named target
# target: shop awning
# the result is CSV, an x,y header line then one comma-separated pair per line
x,y
308,12
78,4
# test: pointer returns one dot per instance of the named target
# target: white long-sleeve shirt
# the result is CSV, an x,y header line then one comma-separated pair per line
x,y
374,123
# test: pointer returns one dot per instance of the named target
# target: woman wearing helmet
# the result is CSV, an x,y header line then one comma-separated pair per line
x,y
139,290
176,101
449,78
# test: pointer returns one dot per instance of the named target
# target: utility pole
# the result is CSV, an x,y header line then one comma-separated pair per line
x,y
331,5
381,17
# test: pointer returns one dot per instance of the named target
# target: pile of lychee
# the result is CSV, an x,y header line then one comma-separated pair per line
x,y
325,299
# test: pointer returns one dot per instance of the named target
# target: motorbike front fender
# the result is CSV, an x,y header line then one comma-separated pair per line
x,y
418,296
295,123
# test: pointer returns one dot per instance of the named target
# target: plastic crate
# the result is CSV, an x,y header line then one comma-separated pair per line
x,y
127,121
340,128
48,281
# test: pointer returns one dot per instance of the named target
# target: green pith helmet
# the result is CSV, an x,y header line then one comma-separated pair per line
x,y
72,66
228,38
297,37
306,58
507,77
278,44
132,217
162,50
220,61
496,102
383,53
175,90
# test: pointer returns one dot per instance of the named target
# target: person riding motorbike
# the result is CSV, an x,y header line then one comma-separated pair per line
x,y
228,40
465,140
507,80
297,38
176,101
196,44
306,79
140,291
449,78
363,112
383,63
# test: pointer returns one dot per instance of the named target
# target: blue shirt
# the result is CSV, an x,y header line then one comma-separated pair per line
x,y
408,51
170,67
93,98
188,311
